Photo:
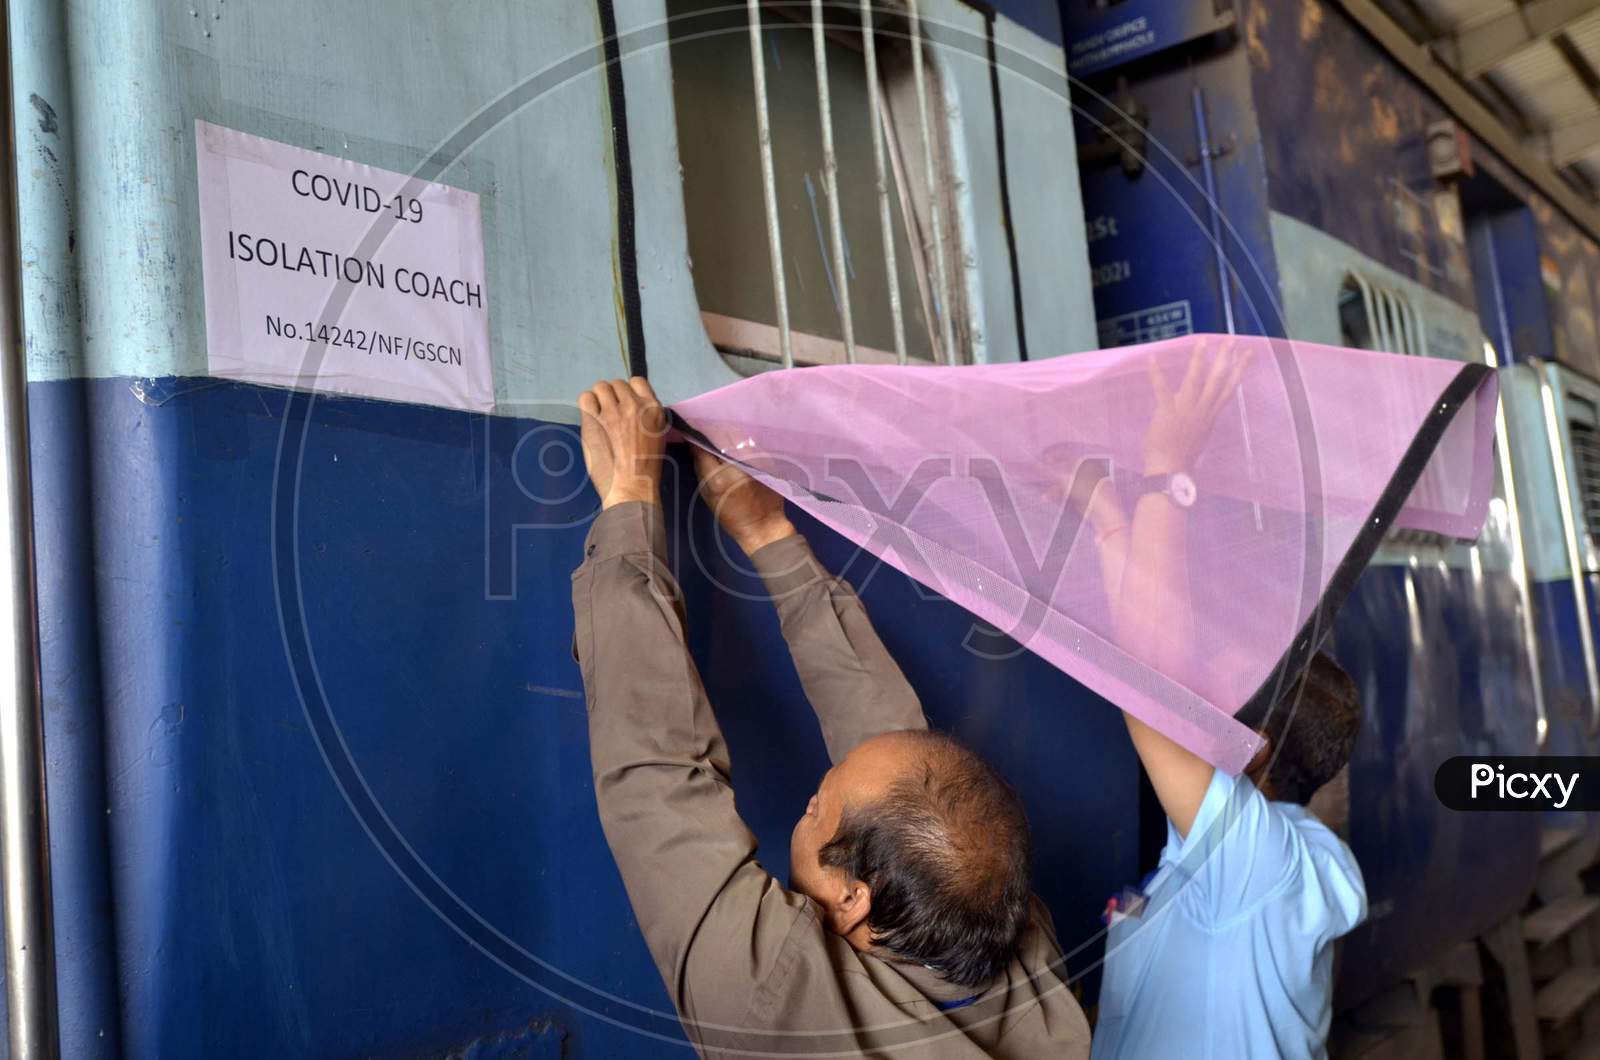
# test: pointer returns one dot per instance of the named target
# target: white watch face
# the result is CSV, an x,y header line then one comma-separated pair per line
x,y
1182,490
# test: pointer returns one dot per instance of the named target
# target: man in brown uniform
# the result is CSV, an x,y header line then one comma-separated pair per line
x,y
909,928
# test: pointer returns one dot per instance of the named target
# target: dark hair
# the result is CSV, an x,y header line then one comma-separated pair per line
x,y
946,854
1313,730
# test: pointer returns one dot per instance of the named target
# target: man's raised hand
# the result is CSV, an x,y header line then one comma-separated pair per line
x,y
624,438
751,513
1183,417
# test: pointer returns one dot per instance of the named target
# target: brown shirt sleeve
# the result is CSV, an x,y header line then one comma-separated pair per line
x,y
714,920
853,683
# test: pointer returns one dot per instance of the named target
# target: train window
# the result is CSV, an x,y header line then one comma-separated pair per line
x,y
1373,316
1583,428
1355,322
725,198
1376,317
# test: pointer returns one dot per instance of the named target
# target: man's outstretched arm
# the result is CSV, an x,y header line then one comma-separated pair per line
x,y
1146,567
854,685
661,767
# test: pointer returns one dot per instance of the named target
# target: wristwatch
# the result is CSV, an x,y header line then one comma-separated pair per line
x,y
1177,487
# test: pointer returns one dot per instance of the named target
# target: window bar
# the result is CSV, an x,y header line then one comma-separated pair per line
x,y
869,45
1419,329
1386,321
1402,324
1368,303
1376,314
1402,305
830,182
942,283
769,184
904,192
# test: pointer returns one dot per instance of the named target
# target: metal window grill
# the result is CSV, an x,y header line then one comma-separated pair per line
x,y
943,330
1375,316
1584,434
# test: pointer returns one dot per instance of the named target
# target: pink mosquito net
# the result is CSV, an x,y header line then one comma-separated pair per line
x,y
1173,524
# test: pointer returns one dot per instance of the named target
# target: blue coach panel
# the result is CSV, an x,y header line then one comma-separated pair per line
x,y
1104,36
1167,256
349,785
1546,267
1506,274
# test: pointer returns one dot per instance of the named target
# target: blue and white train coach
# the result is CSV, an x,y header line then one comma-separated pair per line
x,y
1309,170
316,749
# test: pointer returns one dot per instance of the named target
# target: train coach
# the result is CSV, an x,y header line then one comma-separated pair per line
x,y
317,752
315,747
1350,185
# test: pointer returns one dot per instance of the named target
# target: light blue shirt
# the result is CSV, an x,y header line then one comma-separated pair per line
x,y
1232,956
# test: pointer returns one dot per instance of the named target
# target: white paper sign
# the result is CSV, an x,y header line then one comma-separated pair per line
x,y
332,275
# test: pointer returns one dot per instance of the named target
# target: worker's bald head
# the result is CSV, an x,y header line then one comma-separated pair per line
x,y
937,841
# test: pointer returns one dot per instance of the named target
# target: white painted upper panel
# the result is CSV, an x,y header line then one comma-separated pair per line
x,y
504,99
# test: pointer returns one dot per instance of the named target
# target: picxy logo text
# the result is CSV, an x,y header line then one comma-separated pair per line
x,y
1518,782
1523,785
